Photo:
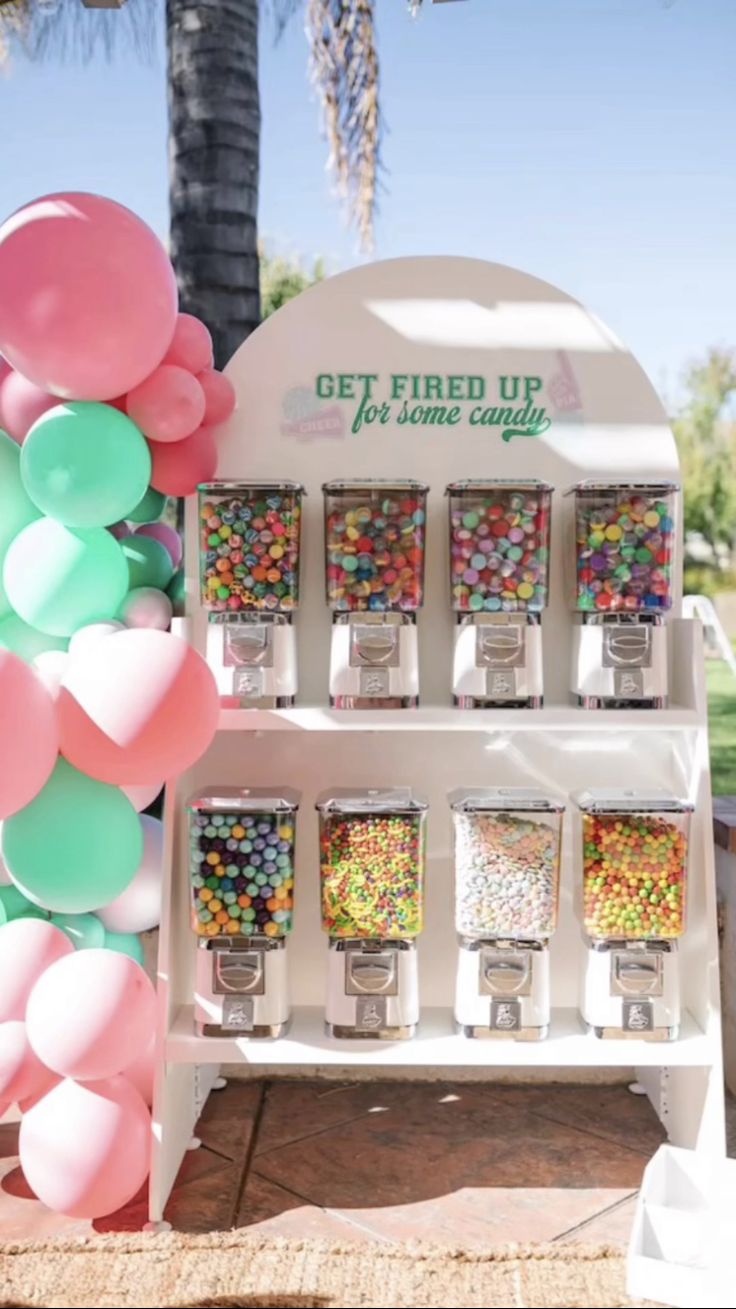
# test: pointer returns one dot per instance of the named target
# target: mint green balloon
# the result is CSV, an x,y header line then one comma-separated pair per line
x,y
76,846
60,578
84,930
15,905
149,562
16,508
125,943
25,641
177,592
85,464
150,508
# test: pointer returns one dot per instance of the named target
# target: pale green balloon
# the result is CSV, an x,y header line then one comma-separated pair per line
x,y
177,592
16,508
85,464
25,641
60,578
149,509
149,562
15,905
76,846
85,931
125,943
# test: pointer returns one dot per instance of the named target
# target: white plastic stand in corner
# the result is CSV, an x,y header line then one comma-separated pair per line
x,y
321,389
683,1243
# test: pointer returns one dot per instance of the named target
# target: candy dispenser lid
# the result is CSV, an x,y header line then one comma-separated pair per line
x,y
214,488
374,484
253,799
498,484
481,799
394,800
653,488
611,801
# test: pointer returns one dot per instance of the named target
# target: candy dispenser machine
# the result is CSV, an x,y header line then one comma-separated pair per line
x,y
499,582
624,552
372,858
506,853
249,545
374,561
241,862
634,849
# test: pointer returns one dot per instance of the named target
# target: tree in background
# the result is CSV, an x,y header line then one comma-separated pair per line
x,y
283,278
705,432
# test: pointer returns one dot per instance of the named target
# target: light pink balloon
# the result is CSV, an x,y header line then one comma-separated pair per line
x,y
90,1013
167,535
142,1070
22,1075
88,297
168,406
29,1101
28,733
179,468
191,347
51,666
146,606
148,710
142,795
28,946
138,907
21,403
219,395
85,1148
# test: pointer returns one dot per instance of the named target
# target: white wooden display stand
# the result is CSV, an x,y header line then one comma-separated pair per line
x,y
459,318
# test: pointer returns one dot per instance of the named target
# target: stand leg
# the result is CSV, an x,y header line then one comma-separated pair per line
x,y
689,1104
179,1098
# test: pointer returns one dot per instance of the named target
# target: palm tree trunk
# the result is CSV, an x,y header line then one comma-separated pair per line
x,y
214,138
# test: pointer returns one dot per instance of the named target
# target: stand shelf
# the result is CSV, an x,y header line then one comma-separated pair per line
x,y
440,718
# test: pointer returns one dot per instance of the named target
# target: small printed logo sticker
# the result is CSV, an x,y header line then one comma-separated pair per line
x,y
505,1016
306,418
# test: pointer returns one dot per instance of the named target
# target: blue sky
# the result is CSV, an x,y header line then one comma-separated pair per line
x,y
587,141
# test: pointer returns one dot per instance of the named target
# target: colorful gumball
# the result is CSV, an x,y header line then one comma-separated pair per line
x,y
59,578
149,562
28,946
85,1147
219,394
166,536
90,1014
89,301
22,1074
22,404
168,405
179,468
17,510
138,908
147,711
77,845
146,606
26,713
191,346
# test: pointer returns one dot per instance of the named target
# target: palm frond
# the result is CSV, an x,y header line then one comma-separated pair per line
x,y
344,70
67,30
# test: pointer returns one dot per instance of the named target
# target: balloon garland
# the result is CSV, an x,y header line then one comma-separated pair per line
x,y
109,403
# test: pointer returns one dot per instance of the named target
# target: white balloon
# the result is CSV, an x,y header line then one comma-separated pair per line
x,y
138,908
93,632
146,606
51,666
141,796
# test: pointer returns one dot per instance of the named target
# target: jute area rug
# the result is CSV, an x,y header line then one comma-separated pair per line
x,y
234,1269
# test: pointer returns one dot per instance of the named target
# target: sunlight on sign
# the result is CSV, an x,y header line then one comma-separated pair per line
x,y
465,324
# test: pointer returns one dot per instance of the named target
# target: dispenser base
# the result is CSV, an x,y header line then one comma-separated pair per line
x,y
263,1032
605,702
618,1034
492,1034
342,1033
475,702
368,702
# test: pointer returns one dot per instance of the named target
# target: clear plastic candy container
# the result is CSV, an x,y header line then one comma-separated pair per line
x,y
625,540
241,861
372,859
374,545
635,862
499,545
507,863
249,537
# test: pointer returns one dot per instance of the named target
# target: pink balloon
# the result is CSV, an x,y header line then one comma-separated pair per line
x,y
28,946
29,1100
146,606
179,468
142,1070
191,347
219,394
142,795
22,1075
148,710
85,1148
168,406
90,1013
88,296
28,732
21,403
168,536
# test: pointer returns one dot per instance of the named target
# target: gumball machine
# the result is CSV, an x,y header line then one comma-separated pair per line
x,y
372,858
241,867
625,550
506,854
634,849
249,538
374,561
499,582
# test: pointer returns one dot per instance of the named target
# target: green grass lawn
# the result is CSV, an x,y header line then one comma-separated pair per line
x,y
722,719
